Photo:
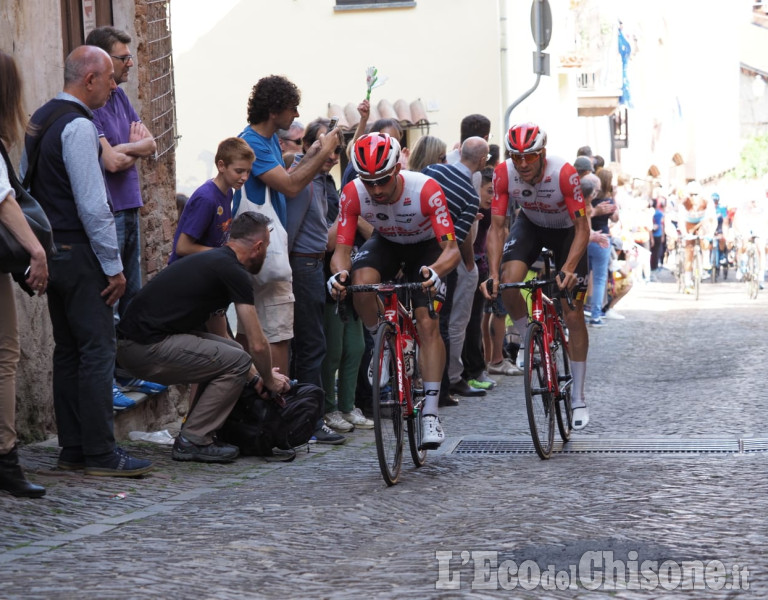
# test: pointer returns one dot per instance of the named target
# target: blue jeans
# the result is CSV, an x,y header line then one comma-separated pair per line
x,y
598,266
84,351
127,225
308,319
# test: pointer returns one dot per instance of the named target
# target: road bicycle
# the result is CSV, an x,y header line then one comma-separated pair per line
x,y
398,393
547,371
751,268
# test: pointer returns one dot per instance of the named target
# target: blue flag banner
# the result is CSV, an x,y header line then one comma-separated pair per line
x,y
624,50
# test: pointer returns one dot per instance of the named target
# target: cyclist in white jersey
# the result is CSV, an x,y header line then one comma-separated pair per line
x,y
552,215
412,226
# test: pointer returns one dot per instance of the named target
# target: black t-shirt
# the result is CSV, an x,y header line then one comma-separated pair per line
x,y
182,297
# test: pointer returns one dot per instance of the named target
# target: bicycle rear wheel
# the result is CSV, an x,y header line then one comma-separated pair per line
x,y
538,399
387,411
563,410
418,455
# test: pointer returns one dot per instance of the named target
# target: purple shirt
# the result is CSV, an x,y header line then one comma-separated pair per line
x,y
113,122
206,217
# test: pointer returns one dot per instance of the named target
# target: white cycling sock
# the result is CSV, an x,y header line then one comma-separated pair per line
x,y
431,397
579,371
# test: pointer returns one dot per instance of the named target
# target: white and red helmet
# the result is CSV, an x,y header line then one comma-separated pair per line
x,y
375,153
525,138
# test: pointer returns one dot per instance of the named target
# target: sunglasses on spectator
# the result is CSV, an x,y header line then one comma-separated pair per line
x,y
528,159
381,181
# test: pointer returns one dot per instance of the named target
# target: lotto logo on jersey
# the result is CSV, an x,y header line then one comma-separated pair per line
x,y
441,212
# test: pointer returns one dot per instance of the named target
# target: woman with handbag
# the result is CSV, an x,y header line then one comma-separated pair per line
x,y
12,121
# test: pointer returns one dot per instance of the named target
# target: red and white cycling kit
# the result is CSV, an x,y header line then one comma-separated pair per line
x,y
421,212
553,203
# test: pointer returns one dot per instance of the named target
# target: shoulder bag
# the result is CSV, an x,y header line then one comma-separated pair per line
x,y
277,266
13,257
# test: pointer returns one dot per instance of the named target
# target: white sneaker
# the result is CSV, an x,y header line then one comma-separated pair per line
x,y
431,432
334,420
612,314
384,376
357,418
580,417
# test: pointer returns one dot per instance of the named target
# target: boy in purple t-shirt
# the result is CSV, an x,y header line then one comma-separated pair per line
x,y
204,224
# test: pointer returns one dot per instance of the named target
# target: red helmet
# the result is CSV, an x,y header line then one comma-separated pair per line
x,y
375,153
525,139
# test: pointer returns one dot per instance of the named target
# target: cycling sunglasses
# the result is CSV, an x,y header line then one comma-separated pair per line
x,y
382,181
528,159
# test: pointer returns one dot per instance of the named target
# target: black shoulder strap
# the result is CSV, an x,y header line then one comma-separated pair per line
x,y
11,171
65,107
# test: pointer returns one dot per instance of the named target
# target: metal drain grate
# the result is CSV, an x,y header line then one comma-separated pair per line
x,y
658,445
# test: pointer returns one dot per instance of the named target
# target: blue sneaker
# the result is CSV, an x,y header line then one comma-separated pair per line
x,y
139,385
120,401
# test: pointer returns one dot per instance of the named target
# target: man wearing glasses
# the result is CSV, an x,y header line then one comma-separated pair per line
x,y
124,141
412,225
552,215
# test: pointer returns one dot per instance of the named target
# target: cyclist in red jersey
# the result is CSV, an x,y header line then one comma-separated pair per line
x,y
552,215
412,226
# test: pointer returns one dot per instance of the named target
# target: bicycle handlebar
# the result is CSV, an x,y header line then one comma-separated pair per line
x,y
391,287
533,284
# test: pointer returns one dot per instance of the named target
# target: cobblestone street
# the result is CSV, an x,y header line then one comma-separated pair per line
x,y
326,525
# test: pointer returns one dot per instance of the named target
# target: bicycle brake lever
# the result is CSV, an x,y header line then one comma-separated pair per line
x,y
430,307
566,292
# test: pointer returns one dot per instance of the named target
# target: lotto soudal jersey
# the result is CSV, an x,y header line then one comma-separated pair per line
x,y
554,202
421,212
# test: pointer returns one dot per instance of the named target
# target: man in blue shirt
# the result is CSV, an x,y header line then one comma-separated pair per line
x,y
273,105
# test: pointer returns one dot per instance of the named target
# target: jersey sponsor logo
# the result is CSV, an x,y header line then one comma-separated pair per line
x,y
369,216
382,216
407,220
407,201
526,193
441,212
448,237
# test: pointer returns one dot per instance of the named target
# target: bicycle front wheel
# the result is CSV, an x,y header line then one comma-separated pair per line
x,y
387,410
563,411
538,399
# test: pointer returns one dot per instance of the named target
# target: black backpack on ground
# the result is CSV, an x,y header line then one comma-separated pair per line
x,y
256,425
